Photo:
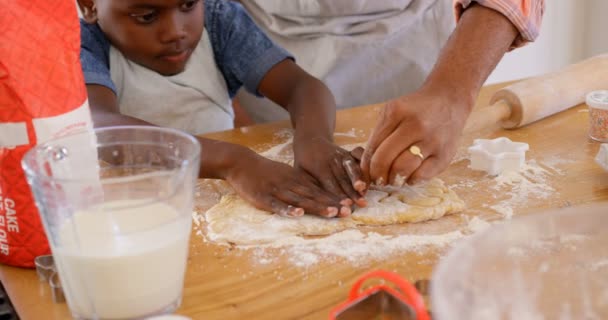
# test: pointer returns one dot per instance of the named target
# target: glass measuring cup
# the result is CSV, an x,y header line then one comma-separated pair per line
x,y
116,205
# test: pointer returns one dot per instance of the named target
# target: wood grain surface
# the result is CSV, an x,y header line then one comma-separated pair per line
x,y
228,283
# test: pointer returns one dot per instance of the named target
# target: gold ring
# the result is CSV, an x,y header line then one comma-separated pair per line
x,y
415,150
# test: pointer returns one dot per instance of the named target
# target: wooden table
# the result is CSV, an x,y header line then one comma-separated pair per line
x,y
223,283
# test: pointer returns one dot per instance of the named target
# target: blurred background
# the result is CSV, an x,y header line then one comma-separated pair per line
x,y
571,31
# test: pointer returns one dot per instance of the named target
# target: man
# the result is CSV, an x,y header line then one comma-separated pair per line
x,y
371,51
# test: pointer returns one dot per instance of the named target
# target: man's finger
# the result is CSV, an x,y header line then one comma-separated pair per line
x,y
407,162
429,168
390,149
382,130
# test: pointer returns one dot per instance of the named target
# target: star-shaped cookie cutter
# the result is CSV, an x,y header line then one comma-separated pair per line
x,y
496,156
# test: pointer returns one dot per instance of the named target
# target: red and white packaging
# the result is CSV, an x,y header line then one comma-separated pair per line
x,y
42,95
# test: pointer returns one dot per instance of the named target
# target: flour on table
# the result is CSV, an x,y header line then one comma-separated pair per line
x,y
357,247
476,225
504,209
599,265
530,182
350,133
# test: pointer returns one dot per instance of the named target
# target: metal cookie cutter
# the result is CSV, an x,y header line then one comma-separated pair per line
x,y
497,155
45,267
402,302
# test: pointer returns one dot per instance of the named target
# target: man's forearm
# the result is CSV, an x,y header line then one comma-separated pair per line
x,y
479,41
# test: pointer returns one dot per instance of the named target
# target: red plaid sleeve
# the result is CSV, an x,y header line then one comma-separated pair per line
x,y
526,15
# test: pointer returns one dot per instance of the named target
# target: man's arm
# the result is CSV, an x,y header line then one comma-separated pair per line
x,y
480,40
432,118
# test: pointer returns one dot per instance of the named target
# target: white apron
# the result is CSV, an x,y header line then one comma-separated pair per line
x,y
195,100
365,51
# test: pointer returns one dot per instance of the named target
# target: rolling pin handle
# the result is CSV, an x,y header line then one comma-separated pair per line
x,y
487,116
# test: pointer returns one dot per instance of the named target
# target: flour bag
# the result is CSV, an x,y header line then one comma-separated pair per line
x,y
42,96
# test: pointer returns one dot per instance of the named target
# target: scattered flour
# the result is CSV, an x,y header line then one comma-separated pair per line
x,y
460,156
350,133
516,252
477,225
360,248
276,151
504,208
573,238
283,151
554,161
197,219
519,187
530,181
599,265
354,246
464,183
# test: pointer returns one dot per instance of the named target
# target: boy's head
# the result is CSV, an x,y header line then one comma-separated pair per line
x,y
157,34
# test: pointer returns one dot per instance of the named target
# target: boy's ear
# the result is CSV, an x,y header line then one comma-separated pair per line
x,y
88,10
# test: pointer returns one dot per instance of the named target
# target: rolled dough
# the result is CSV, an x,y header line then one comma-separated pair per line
x,y
234,220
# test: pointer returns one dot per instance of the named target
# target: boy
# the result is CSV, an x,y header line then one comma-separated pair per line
x,y
177,63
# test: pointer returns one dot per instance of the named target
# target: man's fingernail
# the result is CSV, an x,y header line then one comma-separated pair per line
x,y
345,212
380,181
399,181
332,212
346,202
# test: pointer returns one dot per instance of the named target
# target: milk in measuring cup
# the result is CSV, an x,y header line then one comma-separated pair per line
x,y
124,259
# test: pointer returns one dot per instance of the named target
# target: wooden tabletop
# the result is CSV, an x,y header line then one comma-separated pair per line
x,y
226,283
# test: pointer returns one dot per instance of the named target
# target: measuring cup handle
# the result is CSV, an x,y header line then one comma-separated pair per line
x,y
409,291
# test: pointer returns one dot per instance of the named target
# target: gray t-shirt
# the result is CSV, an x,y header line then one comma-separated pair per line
x,y
365,51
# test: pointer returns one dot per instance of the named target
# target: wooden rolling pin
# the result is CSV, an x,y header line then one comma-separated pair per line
x,y
536,98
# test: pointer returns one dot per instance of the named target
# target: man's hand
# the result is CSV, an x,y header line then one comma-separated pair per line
x,y
279,188
417,134
424,119
335,170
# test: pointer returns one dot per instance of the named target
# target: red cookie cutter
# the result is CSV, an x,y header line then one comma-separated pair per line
x,y
382,301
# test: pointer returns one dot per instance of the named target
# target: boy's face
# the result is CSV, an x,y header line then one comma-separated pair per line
x,y
158,34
